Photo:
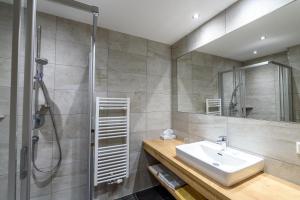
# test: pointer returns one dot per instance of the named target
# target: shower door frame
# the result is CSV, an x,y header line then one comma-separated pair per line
x,y
12,162
285,101
25,156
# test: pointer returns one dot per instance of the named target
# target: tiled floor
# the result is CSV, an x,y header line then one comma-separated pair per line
x,y
156,193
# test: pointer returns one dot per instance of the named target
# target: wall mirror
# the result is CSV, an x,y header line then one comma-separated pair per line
x,y
252,72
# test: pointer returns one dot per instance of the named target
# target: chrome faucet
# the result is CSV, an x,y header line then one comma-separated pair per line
x,y
222,140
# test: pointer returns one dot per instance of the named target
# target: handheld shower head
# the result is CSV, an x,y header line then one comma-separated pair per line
x,y
41,61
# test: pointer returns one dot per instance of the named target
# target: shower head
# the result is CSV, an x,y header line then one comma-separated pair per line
x,y
41,61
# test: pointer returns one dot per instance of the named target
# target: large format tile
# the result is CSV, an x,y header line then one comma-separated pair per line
x,y
184,70
61,183
207,127
4,129
126,82
136,141
267,137
100,80
6,16
159,84
158,120
72,31
101,58
72,126
43,155
4,150
72,54
48,48
185,86
46,197
126,62
5,72
158,66
74,151
6,43
70,102
47,23
157,102
137,122
127,43
185,103
3,185
160,49
283,170
40,186
76,193
4,100
71,78
138,100
72,168
180,123
102,38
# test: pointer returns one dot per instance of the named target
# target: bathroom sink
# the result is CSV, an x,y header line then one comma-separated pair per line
x,y
227,166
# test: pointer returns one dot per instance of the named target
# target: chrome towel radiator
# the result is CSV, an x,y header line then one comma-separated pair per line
x,y
111,140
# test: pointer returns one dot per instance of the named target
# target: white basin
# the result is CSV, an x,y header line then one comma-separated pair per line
x,y
227,167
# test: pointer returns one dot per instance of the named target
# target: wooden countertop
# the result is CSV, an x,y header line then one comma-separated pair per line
x,y
260,187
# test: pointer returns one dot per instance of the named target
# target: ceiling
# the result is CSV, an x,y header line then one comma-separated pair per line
x,y
281,28
164,21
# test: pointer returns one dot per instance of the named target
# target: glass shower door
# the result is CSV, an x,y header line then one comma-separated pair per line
x,y
6,29
266,92
15,59
12,59
230,93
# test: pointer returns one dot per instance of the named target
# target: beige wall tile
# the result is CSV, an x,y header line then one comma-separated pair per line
x,y
272,139
126,82
78,56
157,102
127,43
72,31
158,120
156,48
126,62
71,78
159,84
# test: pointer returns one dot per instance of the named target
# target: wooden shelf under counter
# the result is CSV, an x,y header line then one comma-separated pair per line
x,y
183,193
260,187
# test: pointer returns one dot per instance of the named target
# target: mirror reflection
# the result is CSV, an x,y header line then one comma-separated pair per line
x,y
252,72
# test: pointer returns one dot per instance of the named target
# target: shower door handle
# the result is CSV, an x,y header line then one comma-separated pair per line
x,y
24,162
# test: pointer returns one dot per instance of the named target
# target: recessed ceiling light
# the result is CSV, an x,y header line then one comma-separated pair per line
x,y
255,52
196,16
262,37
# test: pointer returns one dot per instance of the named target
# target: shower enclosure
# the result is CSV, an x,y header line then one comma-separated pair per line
x,y
260,91
20,111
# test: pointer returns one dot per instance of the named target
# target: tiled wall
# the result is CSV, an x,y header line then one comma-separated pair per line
x,y
126,66
264,100
139,69
275,141
197,79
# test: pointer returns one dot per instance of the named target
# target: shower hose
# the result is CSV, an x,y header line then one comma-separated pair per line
x,y
35,141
